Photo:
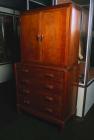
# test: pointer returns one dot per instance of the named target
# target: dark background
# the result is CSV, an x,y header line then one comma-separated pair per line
x,y
21,4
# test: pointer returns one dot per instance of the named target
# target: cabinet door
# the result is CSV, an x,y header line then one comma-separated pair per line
x,y
53,28
30,49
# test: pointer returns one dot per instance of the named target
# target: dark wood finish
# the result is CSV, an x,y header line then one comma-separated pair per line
x,y
48,71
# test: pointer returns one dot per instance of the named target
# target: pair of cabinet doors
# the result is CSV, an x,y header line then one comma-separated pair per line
x,y
44,34
51,35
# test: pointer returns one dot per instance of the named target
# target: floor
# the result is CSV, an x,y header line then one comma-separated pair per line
x,y
14,126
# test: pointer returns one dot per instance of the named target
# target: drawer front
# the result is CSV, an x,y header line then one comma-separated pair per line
x,y
50,105
39,73
42,85
52,75
51,87
23,96
41,89
47,105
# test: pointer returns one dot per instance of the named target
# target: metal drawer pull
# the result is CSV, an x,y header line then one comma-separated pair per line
x,y
27,102
49,87
49,110
49,75
48,98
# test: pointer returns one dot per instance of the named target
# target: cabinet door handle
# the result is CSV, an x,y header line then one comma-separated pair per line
x,y
38,37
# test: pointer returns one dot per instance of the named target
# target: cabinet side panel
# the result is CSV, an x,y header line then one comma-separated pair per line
x,y
74,36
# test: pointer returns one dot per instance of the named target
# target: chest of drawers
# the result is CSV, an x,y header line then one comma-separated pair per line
x,y
46,91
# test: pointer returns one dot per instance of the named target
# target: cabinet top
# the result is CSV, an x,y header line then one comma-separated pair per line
x,y
65,4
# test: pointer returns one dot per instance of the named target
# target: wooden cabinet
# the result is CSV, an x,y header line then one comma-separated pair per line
x,y
50,35
47,72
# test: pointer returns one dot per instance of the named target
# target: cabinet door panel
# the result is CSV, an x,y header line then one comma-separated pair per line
x,y
29,37
54,36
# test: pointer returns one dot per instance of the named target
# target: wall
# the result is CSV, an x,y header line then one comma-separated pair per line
x,y
89,99
80,99
13,4
6,70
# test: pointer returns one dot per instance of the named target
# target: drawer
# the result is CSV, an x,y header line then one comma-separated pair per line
x,y
19,99
24,100
42,99
51,111
27,71
41,86
48,105
39,73
52,75
24,90
45,97
48,87
51,85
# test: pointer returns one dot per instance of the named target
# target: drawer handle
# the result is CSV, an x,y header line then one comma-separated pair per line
x,y
25,70
26,91
49,110
25,81
27,102
48,98
51,87
49,75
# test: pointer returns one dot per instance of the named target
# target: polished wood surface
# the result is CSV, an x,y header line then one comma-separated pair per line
x,y
29,33
50,35
48,70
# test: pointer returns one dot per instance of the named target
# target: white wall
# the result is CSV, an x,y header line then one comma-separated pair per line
x,y
80,99
89,99
6,70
